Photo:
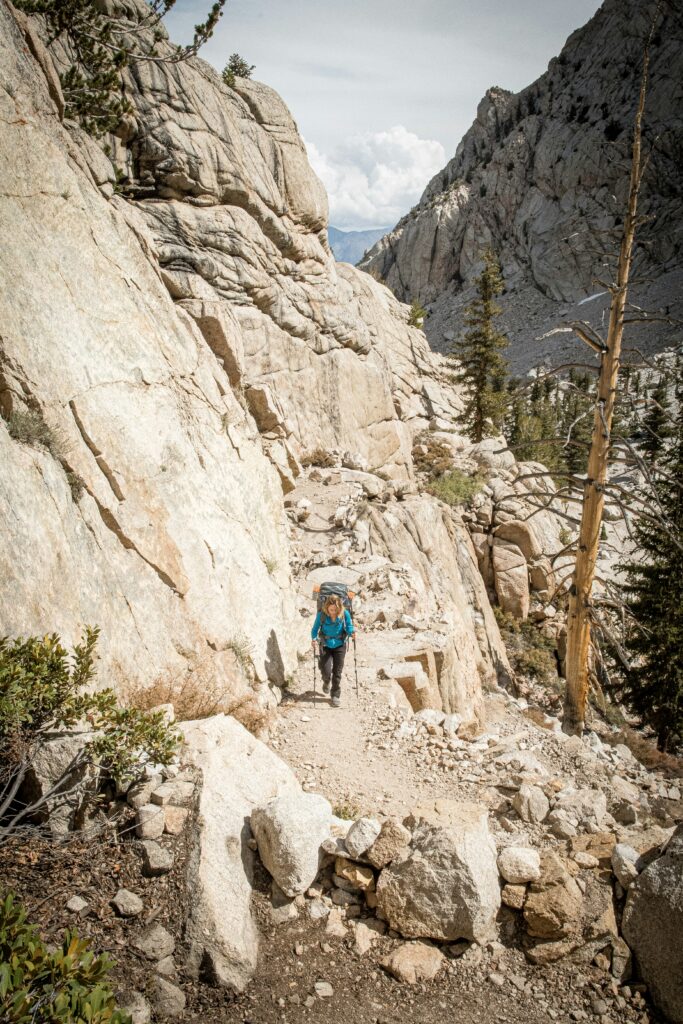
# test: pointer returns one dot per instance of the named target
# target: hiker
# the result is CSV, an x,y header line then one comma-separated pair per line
x,y
332,628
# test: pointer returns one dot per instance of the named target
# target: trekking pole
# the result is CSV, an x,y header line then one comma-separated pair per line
x,y
315,698
355,663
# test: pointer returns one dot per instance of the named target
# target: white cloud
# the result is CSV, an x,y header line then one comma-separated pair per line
x,y
374,178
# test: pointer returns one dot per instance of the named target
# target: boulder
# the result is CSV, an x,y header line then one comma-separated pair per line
x,y
127,903
413,962
168,999
522,535
149,821
531,803
391,843
519,864
155,859
59,762
582,805
653,925
554,911
238,773
361,836
353,877
446,888
289,831
625,864
511,578
135,1005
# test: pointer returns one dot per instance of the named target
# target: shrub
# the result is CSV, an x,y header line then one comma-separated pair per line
x,y
417,314
29,427
531,653
436,460
237,67
40,986
42,689
347,809
98,43
456,488
319,457
241,647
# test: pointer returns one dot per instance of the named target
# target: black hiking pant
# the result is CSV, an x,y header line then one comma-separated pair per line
x,y
332,665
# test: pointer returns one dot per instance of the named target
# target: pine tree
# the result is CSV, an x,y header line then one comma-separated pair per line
x,y
534,427
481,369
101,42
576,420
654,596
237,67
657,420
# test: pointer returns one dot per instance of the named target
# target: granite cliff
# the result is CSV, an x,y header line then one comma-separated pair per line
x,y
174,319
541,177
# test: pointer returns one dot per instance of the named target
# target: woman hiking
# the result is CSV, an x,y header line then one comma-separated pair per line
x,y
332,628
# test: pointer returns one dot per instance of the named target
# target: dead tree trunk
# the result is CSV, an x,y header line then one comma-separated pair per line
x,y
579,612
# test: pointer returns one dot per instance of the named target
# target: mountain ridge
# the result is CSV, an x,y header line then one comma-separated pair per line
x,y
541,177
351,246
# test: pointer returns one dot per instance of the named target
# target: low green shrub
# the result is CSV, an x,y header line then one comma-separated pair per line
x,y
67,985
43,689
456,488
431,456
29,427
531,653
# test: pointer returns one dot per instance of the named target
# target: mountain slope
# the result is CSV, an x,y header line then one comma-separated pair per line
x,y
350,246
541,177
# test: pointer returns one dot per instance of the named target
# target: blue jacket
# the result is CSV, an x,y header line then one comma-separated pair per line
x,y
332,632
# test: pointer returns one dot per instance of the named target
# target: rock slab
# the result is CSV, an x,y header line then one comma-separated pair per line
x,y
653,926
447,887
290,830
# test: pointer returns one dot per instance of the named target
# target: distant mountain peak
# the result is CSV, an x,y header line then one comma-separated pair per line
x,y
351,246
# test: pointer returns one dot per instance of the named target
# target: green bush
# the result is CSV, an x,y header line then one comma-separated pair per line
x,y
456,488
29,427
531,653
43,689
37,986
436,460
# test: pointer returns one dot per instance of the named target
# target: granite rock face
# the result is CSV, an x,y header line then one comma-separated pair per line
x,y
653,917
536,177
188,337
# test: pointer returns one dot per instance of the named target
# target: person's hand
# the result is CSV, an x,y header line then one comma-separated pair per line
x,y
313,643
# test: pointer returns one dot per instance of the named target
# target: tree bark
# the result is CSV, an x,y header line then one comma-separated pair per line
x,y
579,612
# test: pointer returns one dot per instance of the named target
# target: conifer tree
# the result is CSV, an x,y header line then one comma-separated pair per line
x,y
576,420
480,366
654,597
101,41
657,420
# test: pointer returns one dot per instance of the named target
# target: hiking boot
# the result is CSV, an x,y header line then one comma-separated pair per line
x,y
336,702
326,687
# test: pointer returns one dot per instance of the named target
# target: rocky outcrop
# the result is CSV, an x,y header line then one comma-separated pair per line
x,y
652,923
186,338
290,830
446,885
541,177
238,774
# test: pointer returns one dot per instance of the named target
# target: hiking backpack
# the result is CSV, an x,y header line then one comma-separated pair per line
x,y
324,590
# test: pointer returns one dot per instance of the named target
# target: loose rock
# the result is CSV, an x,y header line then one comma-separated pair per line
x,y
413,962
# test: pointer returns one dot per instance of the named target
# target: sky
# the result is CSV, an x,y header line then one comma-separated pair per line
x,y
383,90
